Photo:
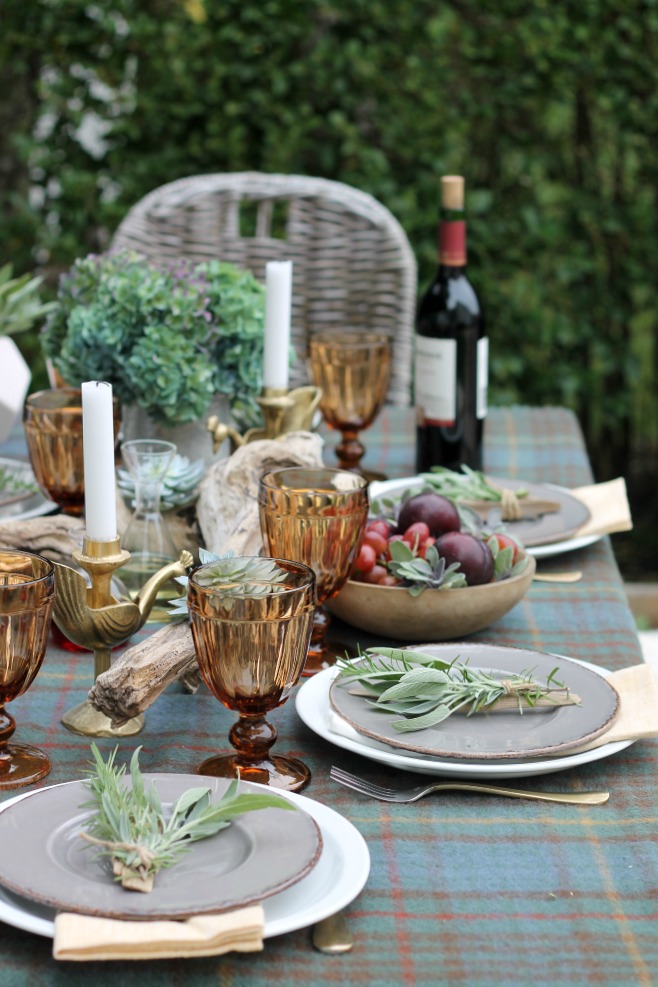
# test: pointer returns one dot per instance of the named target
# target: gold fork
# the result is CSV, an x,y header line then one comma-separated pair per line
x,y
411,793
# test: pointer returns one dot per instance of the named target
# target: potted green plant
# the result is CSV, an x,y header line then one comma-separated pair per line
x,y
20,307
171,341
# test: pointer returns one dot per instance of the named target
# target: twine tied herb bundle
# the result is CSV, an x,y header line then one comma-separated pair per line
x,y
130,826
426,690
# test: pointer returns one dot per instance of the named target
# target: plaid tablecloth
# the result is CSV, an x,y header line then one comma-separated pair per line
x,y
472,890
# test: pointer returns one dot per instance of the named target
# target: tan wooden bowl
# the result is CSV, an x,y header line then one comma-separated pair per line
x,y
433,615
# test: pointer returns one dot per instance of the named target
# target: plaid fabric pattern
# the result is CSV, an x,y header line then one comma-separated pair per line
x,y
464,889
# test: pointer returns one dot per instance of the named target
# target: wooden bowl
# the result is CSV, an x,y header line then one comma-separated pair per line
x,y
433,615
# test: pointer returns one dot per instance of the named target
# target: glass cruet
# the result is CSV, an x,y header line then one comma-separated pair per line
x,y
147,536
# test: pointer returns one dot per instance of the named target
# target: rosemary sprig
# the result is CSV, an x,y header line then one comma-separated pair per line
x,y
470,484
131,827
426,690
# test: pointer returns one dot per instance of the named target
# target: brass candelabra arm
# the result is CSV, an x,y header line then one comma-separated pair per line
x,y
283,412
91,617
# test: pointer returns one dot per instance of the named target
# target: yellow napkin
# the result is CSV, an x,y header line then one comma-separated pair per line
x,y
608,507
638,714
86,937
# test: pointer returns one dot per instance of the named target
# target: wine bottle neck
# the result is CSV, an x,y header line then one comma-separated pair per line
x,y
452,242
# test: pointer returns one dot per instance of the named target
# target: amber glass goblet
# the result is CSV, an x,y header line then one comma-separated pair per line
x,y
316,516
251,623
352,369
27,592
53,428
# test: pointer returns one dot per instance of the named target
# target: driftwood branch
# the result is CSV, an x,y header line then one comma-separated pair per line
x,y
130,686
53,537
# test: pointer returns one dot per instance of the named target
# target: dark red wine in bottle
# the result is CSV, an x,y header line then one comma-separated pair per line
x,y
451,353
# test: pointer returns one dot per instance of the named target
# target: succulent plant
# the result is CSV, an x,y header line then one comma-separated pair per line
x,y
179,486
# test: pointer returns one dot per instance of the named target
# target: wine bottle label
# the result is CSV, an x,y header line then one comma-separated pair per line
x,y
452,243
435,380
482,378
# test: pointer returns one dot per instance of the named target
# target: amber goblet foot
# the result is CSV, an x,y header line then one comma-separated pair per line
x,y
252,737
27,592
352,368
20,764
317,516
251,624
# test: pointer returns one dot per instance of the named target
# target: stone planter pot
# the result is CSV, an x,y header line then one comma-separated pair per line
x,y
15,377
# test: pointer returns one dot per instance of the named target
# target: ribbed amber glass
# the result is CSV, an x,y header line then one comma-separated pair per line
x,y
315,516
251,648
53,428
27,592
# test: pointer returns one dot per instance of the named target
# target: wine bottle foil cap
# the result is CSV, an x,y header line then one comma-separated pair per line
x,y
452,192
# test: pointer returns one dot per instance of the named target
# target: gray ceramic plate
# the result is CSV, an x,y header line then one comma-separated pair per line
x,y
495,736
548,527
33,506
42,857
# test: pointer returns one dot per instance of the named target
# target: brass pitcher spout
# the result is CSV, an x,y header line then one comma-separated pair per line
x,y
147,594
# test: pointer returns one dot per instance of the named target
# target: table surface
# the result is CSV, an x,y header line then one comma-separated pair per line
x,y
463,889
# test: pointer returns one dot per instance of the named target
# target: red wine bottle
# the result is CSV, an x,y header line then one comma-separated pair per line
x,y
451,358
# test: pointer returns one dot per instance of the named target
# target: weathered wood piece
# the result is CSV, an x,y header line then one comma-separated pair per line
x,y
138,677
227,512
55,537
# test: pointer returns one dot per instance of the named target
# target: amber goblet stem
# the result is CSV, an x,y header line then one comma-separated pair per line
x,y
350,451
252,737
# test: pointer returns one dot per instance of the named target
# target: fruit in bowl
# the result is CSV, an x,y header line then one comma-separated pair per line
x,y
432,574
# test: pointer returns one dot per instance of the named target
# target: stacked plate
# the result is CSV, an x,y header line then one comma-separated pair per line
x,y
303,868
494,745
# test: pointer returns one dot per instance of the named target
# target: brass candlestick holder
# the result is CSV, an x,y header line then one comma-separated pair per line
x,y
284,411
92,618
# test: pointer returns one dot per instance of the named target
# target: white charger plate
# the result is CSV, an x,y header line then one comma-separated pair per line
x,y
335,881
382,488
313,707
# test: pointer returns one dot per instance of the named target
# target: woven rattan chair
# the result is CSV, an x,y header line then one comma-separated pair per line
x,y
353,265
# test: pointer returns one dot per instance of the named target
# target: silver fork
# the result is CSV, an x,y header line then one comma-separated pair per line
x,y
411,793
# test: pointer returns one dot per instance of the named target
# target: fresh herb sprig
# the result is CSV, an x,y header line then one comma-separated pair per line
x,y
426,690
130,826
468,485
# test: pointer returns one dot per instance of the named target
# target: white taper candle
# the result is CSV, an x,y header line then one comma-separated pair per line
x,y
278,300
98,448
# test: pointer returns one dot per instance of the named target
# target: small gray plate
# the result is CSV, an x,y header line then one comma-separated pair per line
x,y
494,736
33,506
43,858
546,528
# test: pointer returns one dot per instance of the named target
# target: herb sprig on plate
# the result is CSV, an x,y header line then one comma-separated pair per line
x,y
130,825
426,690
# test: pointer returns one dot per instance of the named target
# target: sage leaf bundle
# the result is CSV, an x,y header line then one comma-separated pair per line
x,y
130,826
425,690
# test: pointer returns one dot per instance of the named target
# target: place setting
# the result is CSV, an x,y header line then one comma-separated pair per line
x,y
609,712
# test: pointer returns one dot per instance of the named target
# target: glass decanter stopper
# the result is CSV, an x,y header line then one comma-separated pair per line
x,y
147,536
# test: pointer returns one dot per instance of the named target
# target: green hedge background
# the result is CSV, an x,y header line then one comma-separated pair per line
x,y
549,110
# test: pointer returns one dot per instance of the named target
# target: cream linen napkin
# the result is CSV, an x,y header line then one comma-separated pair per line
x,y
637,718
638,714
608,507
86,937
